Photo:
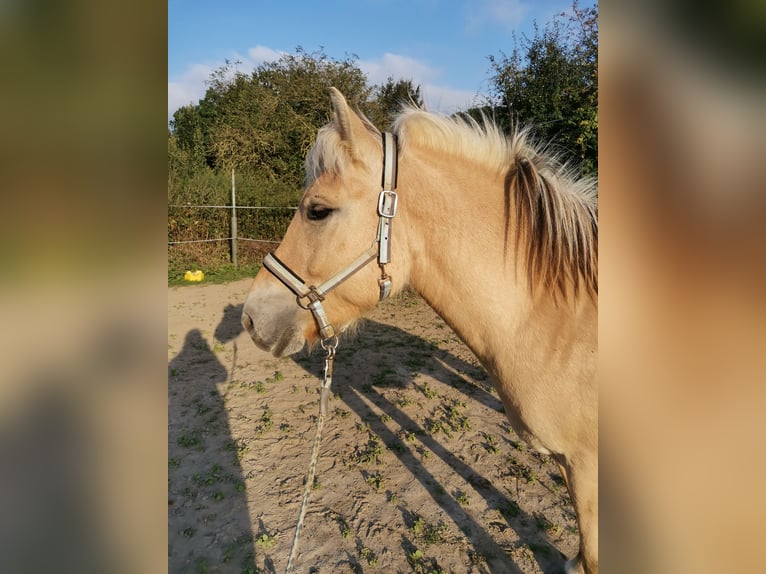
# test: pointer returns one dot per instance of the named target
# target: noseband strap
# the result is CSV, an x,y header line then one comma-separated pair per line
x,y
310,297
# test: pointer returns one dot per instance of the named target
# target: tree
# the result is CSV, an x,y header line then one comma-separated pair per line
x,y
551,81
267,121
388,100
186,129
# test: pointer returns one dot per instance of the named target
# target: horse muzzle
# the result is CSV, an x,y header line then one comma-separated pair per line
x,y
275,328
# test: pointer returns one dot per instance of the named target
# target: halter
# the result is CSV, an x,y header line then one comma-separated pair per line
x,y
310,297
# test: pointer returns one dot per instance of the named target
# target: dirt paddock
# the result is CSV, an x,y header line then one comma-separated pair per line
x,y
419,470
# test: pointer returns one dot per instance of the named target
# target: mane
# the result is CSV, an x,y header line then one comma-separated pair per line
x,y
328,154
552,212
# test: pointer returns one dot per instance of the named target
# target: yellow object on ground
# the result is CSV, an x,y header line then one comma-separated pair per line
x,y
194,275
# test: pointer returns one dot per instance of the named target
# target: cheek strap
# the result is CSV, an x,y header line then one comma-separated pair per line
x,y
310,297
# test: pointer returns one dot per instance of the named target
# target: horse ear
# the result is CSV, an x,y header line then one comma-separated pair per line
x,y
350,126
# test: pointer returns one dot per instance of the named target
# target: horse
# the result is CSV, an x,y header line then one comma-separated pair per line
x,y
494,231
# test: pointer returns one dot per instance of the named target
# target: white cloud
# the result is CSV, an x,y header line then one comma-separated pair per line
x,y
506,13
398,67
261,54
189,88
437,98
448,100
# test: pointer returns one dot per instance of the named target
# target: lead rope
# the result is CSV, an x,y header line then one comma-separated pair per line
x,y
329,347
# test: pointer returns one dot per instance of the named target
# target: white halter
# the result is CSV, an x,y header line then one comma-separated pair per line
x,y
310,297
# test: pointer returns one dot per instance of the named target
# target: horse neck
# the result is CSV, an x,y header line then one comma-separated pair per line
x,y
459,262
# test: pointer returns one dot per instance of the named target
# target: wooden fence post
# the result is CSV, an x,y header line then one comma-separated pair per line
x,y
233,221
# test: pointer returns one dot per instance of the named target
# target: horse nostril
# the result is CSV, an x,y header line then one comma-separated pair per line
x,y
247,322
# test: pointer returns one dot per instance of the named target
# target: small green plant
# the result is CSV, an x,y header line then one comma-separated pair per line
x,y
510,510
340,413
381,377
418,526
434,426
396,446
228,552
238,446
372,451
491,445
265,541
428,391
190,439
528,474
257,386
462,498
376,480
428,533
363,427
546,525
345,529
422,565
266,422
518,445
455,418
211,477
369,556
403,400
416,361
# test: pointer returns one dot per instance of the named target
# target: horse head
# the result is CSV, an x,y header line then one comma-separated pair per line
x,y
337,223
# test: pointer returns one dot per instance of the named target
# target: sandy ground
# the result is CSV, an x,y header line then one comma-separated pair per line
x,y
419,470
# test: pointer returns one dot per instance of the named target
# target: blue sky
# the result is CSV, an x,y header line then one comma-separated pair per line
x,y
441,45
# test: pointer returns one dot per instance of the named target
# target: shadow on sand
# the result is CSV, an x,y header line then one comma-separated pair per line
x,y
203,468
405,357
212,470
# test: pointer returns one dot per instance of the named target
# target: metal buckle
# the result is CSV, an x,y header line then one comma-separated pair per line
x,y
388,201
385,287
313,296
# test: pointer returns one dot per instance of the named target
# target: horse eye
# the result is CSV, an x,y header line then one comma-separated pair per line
x,y
318,212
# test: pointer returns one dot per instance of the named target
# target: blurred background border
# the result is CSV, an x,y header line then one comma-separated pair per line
x,y
83,285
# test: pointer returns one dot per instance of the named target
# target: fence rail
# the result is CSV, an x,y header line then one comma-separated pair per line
x,y
234,237
221,239
238,206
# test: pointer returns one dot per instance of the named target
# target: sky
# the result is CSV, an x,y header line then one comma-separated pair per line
x,y
441,45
